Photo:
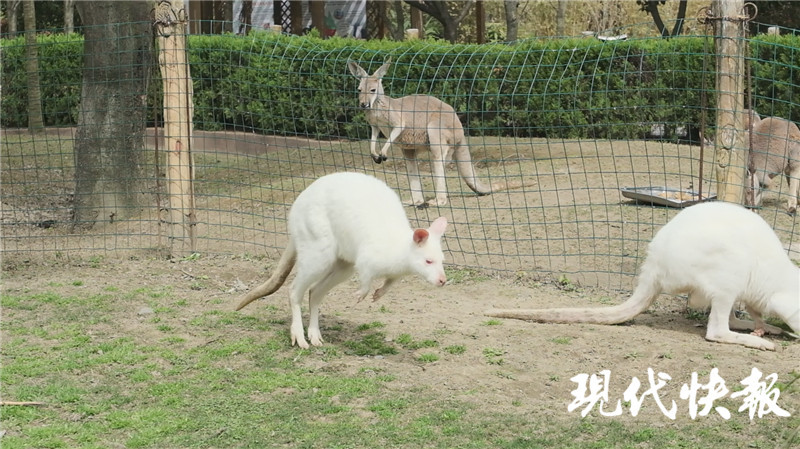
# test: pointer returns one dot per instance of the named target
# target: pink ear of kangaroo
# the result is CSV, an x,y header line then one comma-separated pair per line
x,y
438,226
420,236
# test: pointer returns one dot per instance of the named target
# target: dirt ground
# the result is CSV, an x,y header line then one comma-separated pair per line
x,y
508,365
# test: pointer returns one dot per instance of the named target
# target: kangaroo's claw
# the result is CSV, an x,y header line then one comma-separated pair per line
x,y
378,159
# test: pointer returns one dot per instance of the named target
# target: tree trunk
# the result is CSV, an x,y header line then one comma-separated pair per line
x,y
512,20
245,18
296,16
416,22
561,18
12,6
109,143
439,10
317,9
480,22
398,29
450,31
35,118
69,16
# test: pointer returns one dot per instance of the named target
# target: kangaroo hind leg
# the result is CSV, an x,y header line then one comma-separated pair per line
x,y
439,147
339,272
793,175
313,265
414,182
719,328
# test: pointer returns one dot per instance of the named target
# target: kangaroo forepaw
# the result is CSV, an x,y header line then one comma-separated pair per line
x,y
384,157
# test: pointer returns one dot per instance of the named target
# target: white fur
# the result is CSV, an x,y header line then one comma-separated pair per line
x,y
344,223
720,254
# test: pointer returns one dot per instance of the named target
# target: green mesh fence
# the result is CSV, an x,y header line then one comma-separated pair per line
x,y
568,123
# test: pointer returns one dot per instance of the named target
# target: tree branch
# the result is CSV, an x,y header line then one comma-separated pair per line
x,y
678,28
424,7
465,10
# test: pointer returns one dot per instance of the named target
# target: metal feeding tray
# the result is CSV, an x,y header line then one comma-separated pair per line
x,y
665,196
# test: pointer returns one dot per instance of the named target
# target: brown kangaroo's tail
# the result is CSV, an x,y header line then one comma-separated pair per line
x,y
647,290
463,161
277,279
467,171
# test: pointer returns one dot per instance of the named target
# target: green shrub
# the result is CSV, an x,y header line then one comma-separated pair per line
x,y
566,88
60,64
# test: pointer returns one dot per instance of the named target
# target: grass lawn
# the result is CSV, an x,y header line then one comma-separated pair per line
x,y
172,374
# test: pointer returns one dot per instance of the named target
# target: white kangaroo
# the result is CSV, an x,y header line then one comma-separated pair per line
x,y
346,222
718,253
775,150
417,122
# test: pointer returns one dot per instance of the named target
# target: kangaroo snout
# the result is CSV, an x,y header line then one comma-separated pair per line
x,y
441,281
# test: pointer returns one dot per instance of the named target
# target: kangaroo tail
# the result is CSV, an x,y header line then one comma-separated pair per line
x,y
277,279
647,290
467,171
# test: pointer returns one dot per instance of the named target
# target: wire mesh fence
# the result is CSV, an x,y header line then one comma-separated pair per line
x,y
561,126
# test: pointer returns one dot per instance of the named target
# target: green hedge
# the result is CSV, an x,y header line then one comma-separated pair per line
x,y
60,65
572,88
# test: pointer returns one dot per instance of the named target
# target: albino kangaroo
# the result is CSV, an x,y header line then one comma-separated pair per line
x,y
720,254
346,222
417,122
776,149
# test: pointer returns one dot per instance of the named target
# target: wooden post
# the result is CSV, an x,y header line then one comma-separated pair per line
x,y
178,109
731,151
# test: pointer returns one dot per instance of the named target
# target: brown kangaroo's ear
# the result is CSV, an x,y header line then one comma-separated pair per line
x,y
382,69
420,236
356,70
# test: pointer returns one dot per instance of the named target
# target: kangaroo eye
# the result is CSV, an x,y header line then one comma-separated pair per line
x,y
428,261
373,90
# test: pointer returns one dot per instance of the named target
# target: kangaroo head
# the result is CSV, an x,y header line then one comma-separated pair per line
x,y
426,252
369,87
